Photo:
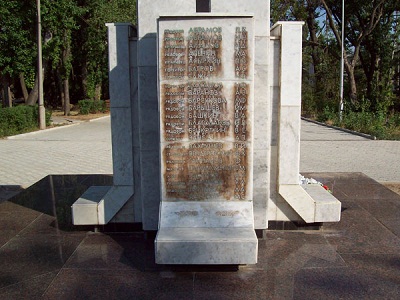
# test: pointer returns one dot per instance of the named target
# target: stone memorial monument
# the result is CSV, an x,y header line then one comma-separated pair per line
x,y
205,116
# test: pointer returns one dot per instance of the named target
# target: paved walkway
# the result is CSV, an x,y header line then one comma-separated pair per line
x,y
82,148
85,148
328,150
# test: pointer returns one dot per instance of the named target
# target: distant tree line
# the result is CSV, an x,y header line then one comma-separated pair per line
x,y
74,48
372,52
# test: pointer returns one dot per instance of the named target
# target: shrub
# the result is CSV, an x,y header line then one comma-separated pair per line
x,y
91,106
20,119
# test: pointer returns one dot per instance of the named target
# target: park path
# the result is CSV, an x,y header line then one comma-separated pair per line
x,y
82,148
325,149
85,148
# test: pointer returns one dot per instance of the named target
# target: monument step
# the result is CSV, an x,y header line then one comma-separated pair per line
x,y
99,204
202,246
312,202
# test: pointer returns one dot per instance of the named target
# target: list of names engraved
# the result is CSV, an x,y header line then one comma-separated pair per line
x,y
205,93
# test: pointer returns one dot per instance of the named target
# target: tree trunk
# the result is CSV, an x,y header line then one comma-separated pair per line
x,y
67,104
84,81
369,26
97,92
313,36
353,87
34,94
7,96
23,86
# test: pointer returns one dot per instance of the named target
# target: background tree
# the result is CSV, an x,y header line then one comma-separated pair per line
x,y
90,50
74,50
360,21
17,47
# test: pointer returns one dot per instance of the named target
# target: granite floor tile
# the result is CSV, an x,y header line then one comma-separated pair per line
x,y
381,208
297,250
354,186
25,257
333,283
139,251
120,284
100,251
50,225
359,232
380,272
12,221
9,191
250,284
392,224
357,258
32,289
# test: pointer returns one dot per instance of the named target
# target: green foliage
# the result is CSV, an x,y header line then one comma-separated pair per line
x,y
90,51
91,106
17,36
379,123
20,119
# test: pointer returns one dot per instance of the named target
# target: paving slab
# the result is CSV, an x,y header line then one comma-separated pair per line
x,y
44,257
82,148
325,149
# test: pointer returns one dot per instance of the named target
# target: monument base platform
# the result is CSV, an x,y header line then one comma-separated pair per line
x,y
202,246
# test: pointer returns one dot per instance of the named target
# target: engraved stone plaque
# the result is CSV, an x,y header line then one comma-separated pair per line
x,y
206,107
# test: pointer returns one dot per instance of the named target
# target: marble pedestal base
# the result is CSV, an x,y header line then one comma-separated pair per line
x,y
202,246
201,233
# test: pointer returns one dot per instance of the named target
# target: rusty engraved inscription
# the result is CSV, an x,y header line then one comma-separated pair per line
x,y
205,124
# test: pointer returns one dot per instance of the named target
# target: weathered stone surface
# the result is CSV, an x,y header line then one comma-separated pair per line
x,y
206,139
206,104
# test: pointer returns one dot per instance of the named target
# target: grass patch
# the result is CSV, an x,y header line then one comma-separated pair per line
x,y
378,124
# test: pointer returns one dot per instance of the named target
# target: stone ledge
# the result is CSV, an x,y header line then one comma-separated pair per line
x,y
312,202
99,204
202,246
207,214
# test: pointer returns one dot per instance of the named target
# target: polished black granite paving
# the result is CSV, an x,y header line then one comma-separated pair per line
x,y
43,256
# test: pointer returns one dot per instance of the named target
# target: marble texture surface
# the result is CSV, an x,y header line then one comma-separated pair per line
x,y
219,246
197,214
121,127
112,202
84,210
299,200
147,51
118,49
291,62
327,207
149,11
260,9
289,145
312,202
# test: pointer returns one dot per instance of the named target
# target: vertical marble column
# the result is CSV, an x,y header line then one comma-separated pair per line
x,y
120,103
290,101
262,101
147,153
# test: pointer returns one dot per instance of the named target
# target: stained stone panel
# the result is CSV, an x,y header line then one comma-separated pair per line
x,y
206,107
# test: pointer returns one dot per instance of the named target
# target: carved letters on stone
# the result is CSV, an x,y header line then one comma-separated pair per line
x,y
206,96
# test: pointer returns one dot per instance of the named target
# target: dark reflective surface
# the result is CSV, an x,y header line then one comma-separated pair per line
x,y
54,195
43,256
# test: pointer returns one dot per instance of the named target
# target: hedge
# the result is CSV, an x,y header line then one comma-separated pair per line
x,y
20,119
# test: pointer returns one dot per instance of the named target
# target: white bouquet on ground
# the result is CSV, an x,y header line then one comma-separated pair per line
x,y
304,180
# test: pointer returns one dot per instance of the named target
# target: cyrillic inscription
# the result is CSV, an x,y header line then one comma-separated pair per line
x,y
205,103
